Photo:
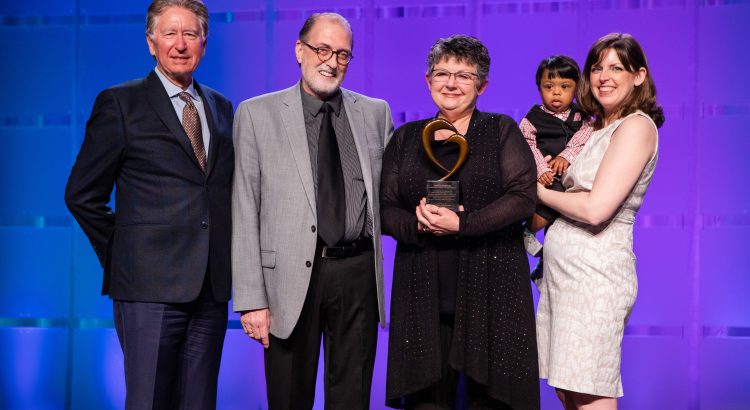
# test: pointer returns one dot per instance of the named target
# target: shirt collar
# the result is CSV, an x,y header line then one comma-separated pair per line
x,y
312,104
564,113
172,89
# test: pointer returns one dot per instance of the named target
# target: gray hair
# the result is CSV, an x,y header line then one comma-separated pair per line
x,y
158,7
310,22
463,48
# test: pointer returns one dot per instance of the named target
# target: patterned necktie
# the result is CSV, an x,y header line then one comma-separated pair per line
x,y
331,205
192,125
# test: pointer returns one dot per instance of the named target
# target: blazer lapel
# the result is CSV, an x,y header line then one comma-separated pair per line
x,y
294,124
209,107
159,100
357,124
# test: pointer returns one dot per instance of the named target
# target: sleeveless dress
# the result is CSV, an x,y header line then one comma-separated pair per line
x,y
589,284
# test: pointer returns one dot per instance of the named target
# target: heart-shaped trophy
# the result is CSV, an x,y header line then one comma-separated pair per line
x,y
442,192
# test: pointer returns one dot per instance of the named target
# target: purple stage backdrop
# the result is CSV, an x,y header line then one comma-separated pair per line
x,y
687,345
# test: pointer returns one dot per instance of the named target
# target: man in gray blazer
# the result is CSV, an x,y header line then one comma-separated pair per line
x,y
306,254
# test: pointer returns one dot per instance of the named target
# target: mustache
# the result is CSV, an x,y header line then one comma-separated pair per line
x,y
326,68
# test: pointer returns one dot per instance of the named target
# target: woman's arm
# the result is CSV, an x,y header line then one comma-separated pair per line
x,y
631,147
397,222
518,177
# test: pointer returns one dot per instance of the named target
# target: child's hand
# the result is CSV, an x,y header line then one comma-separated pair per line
x,y
546,178
559,165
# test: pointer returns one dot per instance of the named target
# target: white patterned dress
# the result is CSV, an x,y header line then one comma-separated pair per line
x,y
589,284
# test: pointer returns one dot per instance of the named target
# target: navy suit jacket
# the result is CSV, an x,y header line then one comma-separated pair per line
x,y
171,222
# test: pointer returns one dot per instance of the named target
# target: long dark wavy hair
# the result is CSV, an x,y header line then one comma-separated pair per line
x,y
643,97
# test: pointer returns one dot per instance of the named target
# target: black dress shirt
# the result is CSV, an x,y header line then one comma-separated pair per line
x,y
357,220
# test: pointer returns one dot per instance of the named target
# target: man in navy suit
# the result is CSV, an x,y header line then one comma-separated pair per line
x,y
165,142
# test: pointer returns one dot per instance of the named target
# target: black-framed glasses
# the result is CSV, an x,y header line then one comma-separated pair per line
x,y
343,57
462,77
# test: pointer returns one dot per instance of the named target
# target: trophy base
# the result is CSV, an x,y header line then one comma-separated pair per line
x,y
443,194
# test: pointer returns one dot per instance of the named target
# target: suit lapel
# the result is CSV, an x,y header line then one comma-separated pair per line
x,y
209,106
159,100
294,124
357,125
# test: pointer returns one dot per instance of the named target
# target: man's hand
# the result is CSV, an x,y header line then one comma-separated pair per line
x,y
256,323
559,165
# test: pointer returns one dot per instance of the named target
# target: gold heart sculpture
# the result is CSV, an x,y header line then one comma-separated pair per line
x,y
463,145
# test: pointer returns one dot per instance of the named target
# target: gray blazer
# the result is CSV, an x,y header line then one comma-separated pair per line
x,y
273,200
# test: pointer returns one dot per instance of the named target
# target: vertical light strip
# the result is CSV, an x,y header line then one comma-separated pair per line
x,y
582,39
270,45
73,132
369,17
475,14
694,221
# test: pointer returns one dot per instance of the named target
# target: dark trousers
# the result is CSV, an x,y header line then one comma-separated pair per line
x,y
453,390
341,305
546,212
172,352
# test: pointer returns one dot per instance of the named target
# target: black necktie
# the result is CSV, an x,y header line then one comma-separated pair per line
x,y
331,205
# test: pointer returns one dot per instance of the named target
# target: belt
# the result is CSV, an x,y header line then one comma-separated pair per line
x,y
344,250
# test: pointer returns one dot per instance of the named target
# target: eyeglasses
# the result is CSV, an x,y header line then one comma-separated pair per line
x,y
343,57
462,77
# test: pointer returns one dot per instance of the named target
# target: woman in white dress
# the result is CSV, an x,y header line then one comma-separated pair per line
x,y
589,284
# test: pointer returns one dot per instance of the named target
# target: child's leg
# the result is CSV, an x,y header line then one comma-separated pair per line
x,y
544,215
537,222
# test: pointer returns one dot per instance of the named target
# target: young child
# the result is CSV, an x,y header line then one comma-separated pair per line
x,y
555,129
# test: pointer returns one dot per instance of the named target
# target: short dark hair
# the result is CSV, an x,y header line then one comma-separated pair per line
x,y
463,48
558,67
310,22
632,57
158,7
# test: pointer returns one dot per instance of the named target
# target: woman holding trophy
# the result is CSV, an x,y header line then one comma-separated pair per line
x,y
462,330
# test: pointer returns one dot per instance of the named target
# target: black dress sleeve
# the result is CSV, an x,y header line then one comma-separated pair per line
x,y
517,176
397,221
